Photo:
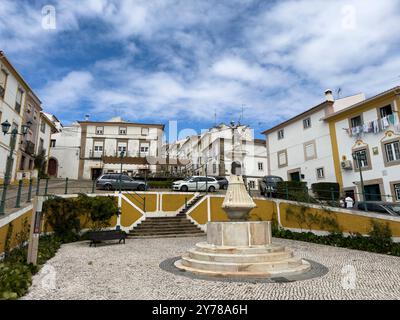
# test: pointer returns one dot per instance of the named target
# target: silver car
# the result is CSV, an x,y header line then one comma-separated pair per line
x,y
196,183
112,182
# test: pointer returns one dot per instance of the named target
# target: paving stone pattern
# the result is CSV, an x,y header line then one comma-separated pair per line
x,y
132,271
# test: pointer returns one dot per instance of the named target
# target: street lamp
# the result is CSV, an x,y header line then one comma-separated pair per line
x,y
121,155
356,157
5,127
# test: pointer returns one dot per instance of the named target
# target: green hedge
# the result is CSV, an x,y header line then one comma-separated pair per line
x,y
378,241
293,190
160,184
326,190
16,273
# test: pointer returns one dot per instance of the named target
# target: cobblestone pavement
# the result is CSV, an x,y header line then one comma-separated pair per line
x,y
132,271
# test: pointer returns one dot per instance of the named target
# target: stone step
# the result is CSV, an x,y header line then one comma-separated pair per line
x,y
246,274
205,247
167,236
184,220
240,258
165,232
165,219
166,225
193,228
284,264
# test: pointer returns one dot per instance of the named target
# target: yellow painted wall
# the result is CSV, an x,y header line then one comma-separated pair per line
x,y
17,227
129,215
347,222
199,214
217,213
151,201
172,202
265,210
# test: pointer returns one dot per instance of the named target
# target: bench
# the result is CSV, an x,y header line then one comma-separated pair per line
x,y
98,236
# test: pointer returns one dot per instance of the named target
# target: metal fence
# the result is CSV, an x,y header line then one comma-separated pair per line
x,y
330,197
22,192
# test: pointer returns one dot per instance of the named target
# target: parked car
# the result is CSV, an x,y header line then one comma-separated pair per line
x,y
223,182
196,183
388,208
112,182
268,185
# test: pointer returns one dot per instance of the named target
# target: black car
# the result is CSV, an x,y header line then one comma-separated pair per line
x,y
223,182
268,185
388,208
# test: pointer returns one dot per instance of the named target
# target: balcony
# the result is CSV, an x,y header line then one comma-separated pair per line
x,y
96,154
116,154
375,126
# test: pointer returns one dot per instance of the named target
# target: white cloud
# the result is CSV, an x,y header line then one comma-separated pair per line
x,y
179,58
68,91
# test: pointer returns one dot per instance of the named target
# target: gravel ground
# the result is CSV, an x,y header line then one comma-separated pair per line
x,y
132,271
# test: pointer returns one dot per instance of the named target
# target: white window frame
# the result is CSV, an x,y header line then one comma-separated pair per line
x,y
99,131
392,155
260,166
364,160
396,188
122,130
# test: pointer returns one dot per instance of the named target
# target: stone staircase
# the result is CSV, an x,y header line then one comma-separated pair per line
x,y
190,204
168,227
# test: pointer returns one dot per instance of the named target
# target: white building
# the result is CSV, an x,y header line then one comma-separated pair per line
x,y
65,152
211,153
371,130
13,95
301,147
91,148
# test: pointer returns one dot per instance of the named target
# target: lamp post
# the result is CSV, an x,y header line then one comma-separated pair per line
x,y
122,154
5,127
356,157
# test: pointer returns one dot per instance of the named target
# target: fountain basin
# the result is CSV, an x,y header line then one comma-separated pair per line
x,y
241,249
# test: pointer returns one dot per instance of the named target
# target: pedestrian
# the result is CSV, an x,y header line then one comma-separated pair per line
x,y
349,202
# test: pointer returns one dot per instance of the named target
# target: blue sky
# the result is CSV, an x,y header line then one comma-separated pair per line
x,y
161,60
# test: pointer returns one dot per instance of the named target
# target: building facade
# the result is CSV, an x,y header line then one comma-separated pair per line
x,y
28,144
65,152
13,95
211,153
103,142
300,148
369,130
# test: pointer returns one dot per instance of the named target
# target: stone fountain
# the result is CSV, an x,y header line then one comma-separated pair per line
x,y
240,248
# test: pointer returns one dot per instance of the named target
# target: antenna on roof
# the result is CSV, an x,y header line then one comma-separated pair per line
x,y
339,91
215,117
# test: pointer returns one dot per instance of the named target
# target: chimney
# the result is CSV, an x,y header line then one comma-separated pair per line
x,y
87,117
329,95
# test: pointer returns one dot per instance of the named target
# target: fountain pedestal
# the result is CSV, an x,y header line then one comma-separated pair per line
x,y
241,249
